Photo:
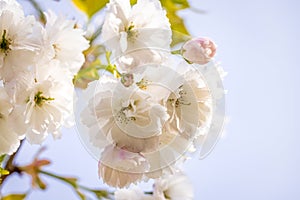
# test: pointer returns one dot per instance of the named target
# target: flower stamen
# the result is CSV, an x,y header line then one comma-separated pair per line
x,y
142,84
132,33
5,43
122,117
181,100
40,100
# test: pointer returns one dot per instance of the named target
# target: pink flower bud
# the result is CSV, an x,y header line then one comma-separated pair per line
x,y
199,50
127,79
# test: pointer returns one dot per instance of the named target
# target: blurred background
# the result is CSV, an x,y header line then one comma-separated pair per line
x,y
258,156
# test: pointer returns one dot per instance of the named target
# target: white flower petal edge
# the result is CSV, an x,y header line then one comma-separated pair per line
x,y
133,193
18,48
174,187
9,136
12,6
136,35
120,168
65,42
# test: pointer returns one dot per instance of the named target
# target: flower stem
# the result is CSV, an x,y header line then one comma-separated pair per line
x,y
110,68
197,10
56,177
73,183
150,193
176,51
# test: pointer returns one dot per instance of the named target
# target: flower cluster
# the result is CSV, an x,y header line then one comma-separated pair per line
x,y
147,118
37,65
151,108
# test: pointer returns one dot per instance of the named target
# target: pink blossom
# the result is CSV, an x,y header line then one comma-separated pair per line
x,y
119,168
199,50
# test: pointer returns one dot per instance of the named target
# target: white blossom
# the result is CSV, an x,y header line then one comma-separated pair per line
x,y
175,187
139,34
64,42
134,193
45,99
9,123
13,6
120,168
127,117
18,48
189,106
187,99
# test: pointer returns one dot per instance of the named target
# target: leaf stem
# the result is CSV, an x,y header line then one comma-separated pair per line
x,y
197,10
176,51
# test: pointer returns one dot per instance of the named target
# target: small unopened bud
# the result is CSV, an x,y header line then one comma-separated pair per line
x,y
199,50
127,79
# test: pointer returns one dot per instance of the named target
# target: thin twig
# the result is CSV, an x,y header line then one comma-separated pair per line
x,y
38,8
96,34
10,165
197,10
75,185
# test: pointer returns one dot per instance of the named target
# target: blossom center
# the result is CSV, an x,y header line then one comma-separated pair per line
x,y
125,115
39,99
143,84
166,196
132,33
5,43
57,49
182,100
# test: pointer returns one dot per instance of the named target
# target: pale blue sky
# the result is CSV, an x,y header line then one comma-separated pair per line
x,y
259,156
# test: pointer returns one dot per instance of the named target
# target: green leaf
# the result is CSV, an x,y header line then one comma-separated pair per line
x,y
177,23
179,31
86,75
181,4
90,7
2,158
90,72
3,172
132,2
14,197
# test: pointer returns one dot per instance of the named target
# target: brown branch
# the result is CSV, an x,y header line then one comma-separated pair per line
x,y
10,165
